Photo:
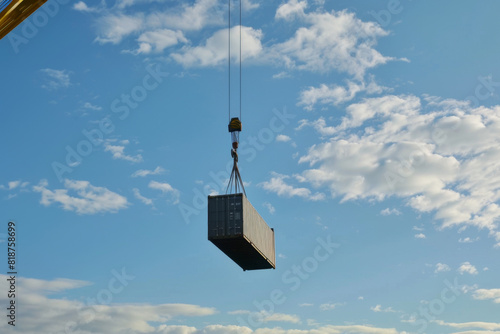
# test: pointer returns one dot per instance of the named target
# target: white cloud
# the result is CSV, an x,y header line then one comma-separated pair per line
x,y
269,317
114,27
335,94
143,199
158,40
135,318
118,152
236,312
159,28
389,212
468,268
248,5
468,288
87,199
269,207
291,9
60,312
144,172
90,106
378,308
215,50
468,240
442,268
485,294
166,189
475,324
420,236
82,7
439,156
328,306
283,138
280,317
32,285
201,14
281,75
13,184
55,79
323,42
328,41
277,185
319,125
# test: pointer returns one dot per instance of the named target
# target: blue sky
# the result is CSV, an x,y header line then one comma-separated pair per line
x,y
370,144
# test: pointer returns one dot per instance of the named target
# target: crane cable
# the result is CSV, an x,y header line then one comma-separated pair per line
x,y
229,59
235,177
240,61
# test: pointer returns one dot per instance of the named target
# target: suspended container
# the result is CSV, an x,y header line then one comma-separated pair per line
x,y
237,229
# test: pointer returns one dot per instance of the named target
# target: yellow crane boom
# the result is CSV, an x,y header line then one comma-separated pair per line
x,y
13,12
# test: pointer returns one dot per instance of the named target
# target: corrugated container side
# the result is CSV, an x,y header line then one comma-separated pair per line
x,y
257,231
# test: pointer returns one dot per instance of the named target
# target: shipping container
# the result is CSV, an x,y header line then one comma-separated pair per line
x,y
237,229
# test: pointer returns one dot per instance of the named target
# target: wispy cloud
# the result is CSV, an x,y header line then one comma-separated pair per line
x,y
55,79
118,151
15,185
166,188
158,28
490,326
90,106
283,138
329,306
468,268
143,199
81,197
389,212
144,172
214,51
379,308
468,240
281,317
278,185
156,41
441,268
486,294
334,94
269,207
